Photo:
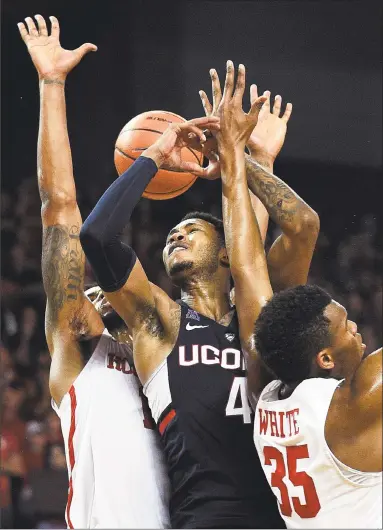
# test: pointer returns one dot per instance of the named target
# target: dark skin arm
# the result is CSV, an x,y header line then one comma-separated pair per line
x,y
152,318
290,256
243,239
70,317
356,437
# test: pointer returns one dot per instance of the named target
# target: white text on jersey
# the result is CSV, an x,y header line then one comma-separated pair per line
x,y
229,358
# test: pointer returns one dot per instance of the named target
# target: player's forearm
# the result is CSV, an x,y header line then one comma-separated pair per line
x,y
102,233
243,240
54,159
260,211
283,205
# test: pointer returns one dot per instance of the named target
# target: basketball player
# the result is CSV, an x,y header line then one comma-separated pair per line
x,y
318,426
117,477
187,354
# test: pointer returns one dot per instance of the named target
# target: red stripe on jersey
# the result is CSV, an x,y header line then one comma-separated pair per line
x,y
165,422
73,404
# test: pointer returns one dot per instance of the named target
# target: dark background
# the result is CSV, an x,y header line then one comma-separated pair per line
x,y
325,57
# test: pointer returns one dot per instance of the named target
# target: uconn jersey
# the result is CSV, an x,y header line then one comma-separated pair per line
x,y
198,399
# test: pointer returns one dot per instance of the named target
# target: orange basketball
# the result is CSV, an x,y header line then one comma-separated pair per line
x,y
140,133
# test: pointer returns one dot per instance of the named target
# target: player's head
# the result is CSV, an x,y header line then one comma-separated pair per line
x,y
112,321
195,248
303,333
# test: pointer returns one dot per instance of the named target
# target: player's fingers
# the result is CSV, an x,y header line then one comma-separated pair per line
x,y
84,49
23,32
192,167
207,106
55,27
42,27
192,129
241,82
257,105
215,88
205,121
229,81
277,105
31,27
287,113
253,93
266,105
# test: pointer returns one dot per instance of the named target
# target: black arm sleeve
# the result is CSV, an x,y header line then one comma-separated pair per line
x,y
101,235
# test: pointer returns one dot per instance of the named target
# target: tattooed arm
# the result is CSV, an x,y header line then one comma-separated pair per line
x,y
290,256
70,317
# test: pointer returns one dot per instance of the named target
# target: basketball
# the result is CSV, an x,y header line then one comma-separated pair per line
x,y
139,134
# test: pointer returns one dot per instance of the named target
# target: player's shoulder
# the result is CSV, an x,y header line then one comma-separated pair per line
x,y
366,385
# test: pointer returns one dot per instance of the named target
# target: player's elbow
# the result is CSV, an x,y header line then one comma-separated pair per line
x,y
57,200
309,226
91,237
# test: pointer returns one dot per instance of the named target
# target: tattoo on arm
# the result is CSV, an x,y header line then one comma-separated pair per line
x,y
54,82
62,267
281,202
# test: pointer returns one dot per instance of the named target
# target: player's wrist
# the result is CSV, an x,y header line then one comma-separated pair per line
x,y
155,154
52,79
267,161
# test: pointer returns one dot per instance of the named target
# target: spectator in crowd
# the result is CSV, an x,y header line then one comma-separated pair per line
x,y
33,476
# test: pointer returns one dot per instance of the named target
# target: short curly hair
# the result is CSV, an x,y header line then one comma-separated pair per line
x,y
291,329
215,221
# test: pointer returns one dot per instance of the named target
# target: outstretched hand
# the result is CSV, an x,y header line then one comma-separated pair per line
x,y
52,62
269,134
166,151
210,148
236,125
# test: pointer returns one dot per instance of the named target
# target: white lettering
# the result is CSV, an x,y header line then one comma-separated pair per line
x,y
205,352
235,357
182,355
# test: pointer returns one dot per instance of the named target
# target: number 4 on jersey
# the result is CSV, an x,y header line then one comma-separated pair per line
x,y
238,396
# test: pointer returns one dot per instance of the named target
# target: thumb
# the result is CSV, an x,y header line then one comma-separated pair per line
x,y
257,106
84,49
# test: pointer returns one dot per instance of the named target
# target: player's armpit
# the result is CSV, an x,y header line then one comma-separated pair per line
x,y
135,303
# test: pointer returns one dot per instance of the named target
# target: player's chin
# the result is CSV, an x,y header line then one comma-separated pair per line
x,y
178,269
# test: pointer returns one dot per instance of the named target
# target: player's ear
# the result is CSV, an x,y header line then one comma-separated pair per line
x,y
224,258
325,359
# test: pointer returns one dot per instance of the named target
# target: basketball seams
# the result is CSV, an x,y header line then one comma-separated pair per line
x,y
127,147
157,132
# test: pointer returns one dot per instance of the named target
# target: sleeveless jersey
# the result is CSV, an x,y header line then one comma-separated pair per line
x,y
198,399
117,476
314,489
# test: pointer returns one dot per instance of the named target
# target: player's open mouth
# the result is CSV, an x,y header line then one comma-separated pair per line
x,y
177,248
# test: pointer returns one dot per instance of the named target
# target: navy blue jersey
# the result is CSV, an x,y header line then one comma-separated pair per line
x,y
199,400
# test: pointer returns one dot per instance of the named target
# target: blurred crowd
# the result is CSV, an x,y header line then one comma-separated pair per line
x,y
33,478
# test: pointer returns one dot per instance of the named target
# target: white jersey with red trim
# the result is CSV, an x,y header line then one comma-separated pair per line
x,y
117,474
314,489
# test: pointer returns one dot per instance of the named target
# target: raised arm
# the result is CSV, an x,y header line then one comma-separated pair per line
x,y
69,315
118,271
290,256
213,171
243,240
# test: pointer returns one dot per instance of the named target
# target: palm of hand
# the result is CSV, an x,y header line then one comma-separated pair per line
x,y
49,57
268,136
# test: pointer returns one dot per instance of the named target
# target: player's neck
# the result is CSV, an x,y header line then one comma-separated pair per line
x,y
208,298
